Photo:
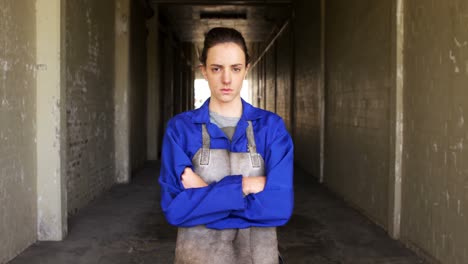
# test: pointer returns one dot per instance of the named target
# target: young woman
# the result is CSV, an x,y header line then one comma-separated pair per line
x,y
227,167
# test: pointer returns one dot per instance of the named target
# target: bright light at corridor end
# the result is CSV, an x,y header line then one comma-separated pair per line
x,y
202,92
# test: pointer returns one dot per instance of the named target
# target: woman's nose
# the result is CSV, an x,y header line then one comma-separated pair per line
x,y
226,77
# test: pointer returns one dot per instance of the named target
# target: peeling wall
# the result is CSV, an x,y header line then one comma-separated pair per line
x,y
18,207
358,84
307,76
435,156
89,99
138,85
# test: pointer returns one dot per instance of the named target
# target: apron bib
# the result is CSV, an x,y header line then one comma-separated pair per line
x,y
201,245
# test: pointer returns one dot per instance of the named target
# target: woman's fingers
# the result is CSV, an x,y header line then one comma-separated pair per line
x,y
191,180
253,184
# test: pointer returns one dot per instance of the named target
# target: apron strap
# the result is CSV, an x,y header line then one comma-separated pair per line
x,y
254,156
251,139
252,147
205,152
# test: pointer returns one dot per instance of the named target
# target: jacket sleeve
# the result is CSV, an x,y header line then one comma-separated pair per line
x,y
274,205
194,206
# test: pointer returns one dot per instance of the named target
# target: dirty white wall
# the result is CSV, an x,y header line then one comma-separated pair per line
x,y
358,81
89,101
18,207
435,156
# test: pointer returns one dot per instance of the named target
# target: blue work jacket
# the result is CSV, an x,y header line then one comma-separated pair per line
x,y
222,204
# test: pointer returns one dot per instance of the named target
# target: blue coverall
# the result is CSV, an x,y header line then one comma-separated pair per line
x,y
222,205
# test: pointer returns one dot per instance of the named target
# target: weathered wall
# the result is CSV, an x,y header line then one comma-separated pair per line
x,y
435,168
90,104
253,75
287,80
358,83
176,75
261,83
307,81
138,85
270,79
153,88
18,207
284,75
167,82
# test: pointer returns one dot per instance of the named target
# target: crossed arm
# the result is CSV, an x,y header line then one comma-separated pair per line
x,y
234,201
253,184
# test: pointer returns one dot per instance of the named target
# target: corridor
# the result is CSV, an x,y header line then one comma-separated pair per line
x,y
126,226
373,94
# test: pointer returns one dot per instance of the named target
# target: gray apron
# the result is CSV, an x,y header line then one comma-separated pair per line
x,y
201,245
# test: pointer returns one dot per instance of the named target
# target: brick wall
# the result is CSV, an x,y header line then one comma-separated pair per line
x,y
89,100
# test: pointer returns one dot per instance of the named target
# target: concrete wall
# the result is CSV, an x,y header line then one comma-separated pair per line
x,y
18,207
435,169
308,85
358,85
138,85
90,99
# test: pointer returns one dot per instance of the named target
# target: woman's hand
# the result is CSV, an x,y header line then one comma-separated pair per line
x,y
253,184
191,180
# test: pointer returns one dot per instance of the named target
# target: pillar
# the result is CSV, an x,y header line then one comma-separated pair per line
x,y
51,123
122,91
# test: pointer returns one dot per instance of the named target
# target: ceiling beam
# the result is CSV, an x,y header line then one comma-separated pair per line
x,y
223,2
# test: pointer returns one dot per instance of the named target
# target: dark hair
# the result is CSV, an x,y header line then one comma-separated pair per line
x,y
220,35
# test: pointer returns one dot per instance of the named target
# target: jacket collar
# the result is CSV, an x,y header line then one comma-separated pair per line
x,y
202,114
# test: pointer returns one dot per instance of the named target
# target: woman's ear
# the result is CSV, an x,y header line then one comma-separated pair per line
x,y
203,70
246,69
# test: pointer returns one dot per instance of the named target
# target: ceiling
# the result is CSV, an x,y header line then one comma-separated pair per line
x,y
258,21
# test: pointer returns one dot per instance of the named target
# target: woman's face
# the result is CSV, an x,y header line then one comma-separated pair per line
x,y
225,71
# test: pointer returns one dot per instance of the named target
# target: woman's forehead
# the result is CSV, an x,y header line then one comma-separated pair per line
x,y
224,53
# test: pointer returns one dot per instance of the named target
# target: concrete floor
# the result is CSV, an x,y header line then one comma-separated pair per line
x,y
125,225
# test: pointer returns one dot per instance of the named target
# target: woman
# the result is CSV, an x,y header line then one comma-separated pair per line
x,y
227,167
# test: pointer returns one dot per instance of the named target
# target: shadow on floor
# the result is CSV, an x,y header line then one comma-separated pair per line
x,y
125,225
